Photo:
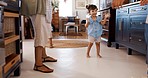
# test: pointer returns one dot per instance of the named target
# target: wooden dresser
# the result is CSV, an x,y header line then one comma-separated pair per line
x,y
10,40
55,21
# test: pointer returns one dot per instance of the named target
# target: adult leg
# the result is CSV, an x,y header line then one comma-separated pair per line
x,y
38,61
40,41
38,55
47,58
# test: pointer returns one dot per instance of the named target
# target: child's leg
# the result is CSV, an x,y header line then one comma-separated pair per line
x,y
98,49
88,49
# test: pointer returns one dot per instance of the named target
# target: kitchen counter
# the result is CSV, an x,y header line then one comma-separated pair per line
x,y
131,4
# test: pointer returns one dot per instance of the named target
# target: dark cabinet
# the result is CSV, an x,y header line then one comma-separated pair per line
x,y
108,34
130,27
109,28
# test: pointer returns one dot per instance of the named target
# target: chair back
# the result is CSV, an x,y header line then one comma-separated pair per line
x,y
83,21
71,19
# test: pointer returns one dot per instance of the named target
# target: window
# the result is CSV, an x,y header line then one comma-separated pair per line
x,y
65,8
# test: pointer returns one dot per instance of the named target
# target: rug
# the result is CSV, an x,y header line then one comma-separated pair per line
x,y
69,43
70,34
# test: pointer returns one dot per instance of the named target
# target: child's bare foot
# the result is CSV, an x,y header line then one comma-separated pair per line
x,y
99,56
88,56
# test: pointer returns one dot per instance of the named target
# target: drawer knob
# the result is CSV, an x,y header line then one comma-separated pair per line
x,y
132,22
13,62
124,11
140,40
133,10
143,8
142,23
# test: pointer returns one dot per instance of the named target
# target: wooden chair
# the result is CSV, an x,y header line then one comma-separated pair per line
x,y
71,23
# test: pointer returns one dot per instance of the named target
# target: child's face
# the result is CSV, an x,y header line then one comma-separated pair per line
x,y
93,12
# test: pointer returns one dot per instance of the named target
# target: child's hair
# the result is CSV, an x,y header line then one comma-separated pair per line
x,y
91,7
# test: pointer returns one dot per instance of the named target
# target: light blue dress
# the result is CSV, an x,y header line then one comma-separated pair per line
x,y
95,28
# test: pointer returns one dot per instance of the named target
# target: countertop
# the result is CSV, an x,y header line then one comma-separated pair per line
x,y
131,4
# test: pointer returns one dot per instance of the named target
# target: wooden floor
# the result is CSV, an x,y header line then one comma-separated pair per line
x,y
56,36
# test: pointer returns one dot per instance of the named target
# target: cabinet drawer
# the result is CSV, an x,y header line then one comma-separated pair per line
x,y
138,9
136,33
137,22
138,41
137,37
11,61
122,11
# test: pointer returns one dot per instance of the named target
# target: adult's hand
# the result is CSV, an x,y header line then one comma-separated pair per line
x,y
143,2
117,3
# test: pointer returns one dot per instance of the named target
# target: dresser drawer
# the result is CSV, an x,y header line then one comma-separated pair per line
x,y
137,22
136,33
137,41
138,9
11,61
122,11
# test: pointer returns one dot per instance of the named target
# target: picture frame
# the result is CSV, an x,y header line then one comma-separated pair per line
x,y
80,4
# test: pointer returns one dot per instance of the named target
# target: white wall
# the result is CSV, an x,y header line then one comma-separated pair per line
x,y
82,12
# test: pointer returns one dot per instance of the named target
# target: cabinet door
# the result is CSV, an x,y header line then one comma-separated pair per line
x,y
122,29
136,32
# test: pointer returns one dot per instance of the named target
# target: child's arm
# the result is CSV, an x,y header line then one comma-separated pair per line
x,y
87,22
